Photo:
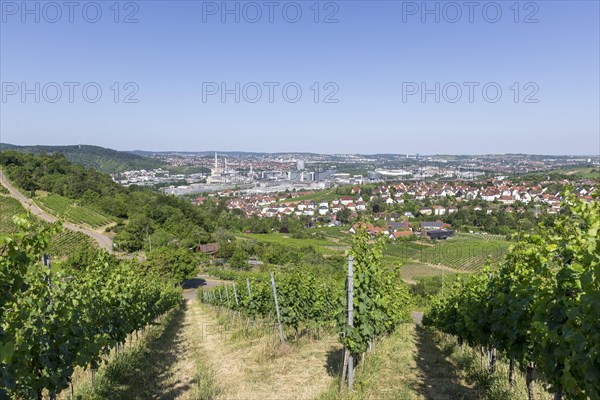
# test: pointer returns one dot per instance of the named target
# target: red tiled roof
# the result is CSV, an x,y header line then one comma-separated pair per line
x,y
402,234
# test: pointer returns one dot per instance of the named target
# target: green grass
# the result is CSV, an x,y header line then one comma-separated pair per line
x,y
320,195
336,233
579,172
415,363
412,271
321,245
68,209
574,172
462,252
407,365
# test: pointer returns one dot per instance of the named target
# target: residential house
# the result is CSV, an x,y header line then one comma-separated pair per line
x,y
507,200
439,210
370,228
440,234
346,200
361,205
431,225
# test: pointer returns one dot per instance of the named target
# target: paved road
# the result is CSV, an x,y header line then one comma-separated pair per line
x,y
190,287
417,317
103,241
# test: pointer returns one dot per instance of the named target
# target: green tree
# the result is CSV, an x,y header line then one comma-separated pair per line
x,y
343,216
239,259
227,243
179,264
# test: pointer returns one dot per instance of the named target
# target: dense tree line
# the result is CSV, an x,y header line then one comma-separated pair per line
x,y
146,217
100,158
500,222
239,251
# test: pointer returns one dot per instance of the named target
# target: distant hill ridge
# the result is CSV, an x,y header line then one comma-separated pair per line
x,y
100,158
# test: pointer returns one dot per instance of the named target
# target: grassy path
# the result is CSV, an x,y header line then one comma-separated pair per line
x,y
408,365
254,367
166,365
191,355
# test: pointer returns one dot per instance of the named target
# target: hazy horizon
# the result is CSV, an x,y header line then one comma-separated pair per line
x,y
593,156
325,77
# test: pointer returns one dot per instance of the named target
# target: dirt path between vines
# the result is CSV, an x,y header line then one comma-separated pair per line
x,y
103,241
256,368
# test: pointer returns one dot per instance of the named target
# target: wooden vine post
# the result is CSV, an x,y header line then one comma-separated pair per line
x,y
228,302
250,299
277,307
348,363
237,303
529,381
511,374
350,318
46,260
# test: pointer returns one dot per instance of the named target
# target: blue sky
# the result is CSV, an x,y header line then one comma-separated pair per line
x,y
374,61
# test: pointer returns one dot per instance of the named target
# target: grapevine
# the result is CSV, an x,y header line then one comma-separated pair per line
x,y
55,320
541,306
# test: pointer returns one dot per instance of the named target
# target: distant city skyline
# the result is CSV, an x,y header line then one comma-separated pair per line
x,y
333,78
211,152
